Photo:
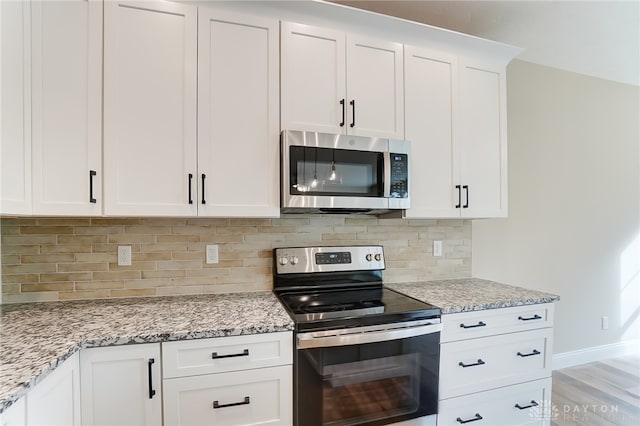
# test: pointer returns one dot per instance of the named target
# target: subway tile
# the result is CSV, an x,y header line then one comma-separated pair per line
x,y
65,276
116,275
19,278
179,291
85,294
45,230
133,292
43,296
82,239
100,285
29,268
85,266
29,288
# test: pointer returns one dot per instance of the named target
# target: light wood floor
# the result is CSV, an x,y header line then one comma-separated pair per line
x,y
599,393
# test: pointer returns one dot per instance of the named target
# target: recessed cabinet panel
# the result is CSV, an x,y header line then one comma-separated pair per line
x,y
483,146
67,107
238,126
374,88
431,88
15,131
149,108
313,79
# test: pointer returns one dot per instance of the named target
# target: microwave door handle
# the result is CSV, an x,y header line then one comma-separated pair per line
x,y
387,175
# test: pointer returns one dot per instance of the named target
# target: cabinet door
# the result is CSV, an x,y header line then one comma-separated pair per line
x,y
121,385
15,112
483,140
313,79
16,414
261,396
238,103
56,400
67,107
150,57
374,88
431,90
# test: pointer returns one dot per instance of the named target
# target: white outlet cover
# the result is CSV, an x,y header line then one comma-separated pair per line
x,y
124,255
437,248
212,253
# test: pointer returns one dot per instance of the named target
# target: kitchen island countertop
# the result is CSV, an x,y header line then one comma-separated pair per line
x,y
471,294
35,338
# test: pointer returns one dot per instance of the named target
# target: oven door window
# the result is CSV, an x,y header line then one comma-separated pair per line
x,y
370,384
336,172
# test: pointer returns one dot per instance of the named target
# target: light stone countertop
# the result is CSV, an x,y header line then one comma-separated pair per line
x,y
35,338
471,294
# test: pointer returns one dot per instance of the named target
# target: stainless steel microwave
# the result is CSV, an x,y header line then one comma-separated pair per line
x,y
332,173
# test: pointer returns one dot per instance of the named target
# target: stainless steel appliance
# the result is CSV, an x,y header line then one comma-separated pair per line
x,y
365,354
323,172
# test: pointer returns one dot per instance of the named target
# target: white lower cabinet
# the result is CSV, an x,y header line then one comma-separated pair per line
x,y
56,400
522,404
16,414
229,381
250,397
121,385
495,366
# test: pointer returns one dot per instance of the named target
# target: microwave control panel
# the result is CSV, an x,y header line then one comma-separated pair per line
x,y
399,176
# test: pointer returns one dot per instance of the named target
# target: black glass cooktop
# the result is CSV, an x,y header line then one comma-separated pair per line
x,y
327,309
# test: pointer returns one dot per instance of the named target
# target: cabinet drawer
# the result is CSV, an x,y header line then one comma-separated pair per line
x,y
254,397
474,365
467,325
525,403
206,356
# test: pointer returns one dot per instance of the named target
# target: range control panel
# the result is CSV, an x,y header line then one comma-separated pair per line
x,y
301,260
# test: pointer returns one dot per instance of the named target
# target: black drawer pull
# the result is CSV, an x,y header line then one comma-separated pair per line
x,y
343,112
92,199
535,317
479,324
463,365
353,113
190,197
535,352
459,196
246,401
215,355
466,190
152,392
474,419
203,191
533,404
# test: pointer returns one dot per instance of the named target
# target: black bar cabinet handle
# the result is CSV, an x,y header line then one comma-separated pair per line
x,y
479,324
152,392
535,317
246,401
459,196
203,178
463,365
353,112
474,419
190,197
215,355
535,352
343,112
92,173
466,189
533,404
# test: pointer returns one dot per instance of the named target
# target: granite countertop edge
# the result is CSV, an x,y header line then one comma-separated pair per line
x,y
262,322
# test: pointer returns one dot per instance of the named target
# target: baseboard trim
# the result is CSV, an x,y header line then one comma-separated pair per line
x,y
596,353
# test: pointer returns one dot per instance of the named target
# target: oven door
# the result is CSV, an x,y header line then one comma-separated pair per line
x,y
374,379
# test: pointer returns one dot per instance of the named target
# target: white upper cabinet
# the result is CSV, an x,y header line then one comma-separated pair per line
x,y
150,108
238,115
67,107
483,139
431,88
456,121
334,82
15,112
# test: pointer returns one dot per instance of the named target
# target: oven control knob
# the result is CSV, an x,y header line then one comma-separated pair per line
x,y
378,257
369,257
284,261
294,260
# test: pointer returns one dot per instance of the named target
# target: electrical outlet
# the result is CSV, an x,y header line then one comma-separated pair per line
x,y
212,253
437,248
124,255
605,323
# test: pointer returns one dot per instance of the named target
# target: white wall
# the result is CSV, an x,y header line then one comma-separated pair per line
x,y
574,204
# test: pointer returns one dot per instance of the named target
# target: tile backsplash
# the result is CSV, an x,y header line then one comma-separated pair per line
x,y
48,259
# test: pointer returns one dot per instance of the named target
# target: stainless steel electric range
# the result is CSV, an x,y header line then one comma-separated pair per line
x,y
364,354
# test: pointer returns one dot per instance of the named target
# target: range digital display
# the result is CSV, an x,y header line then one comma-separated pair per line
x,y
333,258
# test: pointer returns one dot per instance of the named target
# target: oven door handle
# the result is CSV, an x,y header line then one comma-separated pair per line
x,y
354,337
386,189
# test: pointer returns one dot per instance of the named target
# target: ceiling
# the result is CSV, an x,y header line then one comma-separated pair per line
x,y
596,38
